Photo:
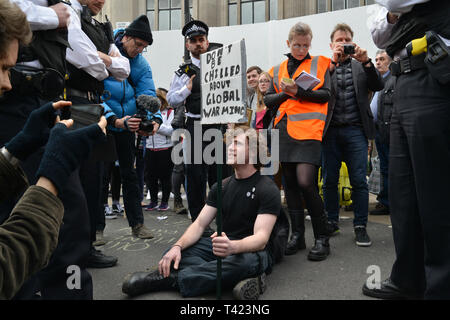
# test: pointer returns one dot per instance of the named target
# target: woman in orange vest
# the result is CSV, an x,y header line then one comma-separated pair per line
x,y
301,110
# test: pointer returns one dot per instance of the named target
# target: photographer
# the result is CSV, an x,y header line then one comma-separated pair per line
x,y
348,128
125,116
30,235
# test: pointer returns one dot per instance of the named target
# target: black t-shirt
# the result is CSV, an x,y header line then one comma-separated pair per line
x,y
243,200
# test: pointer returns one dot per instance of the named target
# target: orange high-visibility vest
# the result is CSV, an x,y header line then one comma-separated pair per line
x,y
305,119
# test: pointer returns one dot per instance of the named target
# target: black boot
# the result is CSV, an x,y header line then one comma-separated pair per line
x,y
321,249
144,282
297,241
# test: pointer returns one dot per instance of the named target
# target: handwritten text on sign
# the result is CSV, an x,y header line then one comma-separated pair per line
x,y
224,84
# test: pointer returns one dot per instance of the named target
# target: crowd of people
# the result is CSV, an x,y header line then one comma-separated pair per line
x,y
399,101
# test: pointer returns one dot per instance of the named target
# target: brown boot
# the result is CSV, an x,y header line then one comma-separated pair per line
x,y
141,231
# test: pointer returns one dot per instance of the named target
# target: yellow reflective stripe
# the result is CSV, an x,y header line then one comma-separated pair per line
x,y
307,116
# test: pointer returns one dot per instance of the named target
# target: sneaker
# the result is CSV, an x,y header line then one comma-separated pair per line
x,y
152,206
332,229
109,214
163,206
251,288
140,231
118,209
361,237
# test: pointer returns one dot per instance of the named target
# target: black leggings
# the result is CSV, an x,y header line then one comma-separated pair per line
x,y
158,167
301,178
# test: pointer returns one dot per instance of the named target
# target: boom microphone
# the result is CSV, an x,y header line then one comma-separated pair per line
x,y
149,103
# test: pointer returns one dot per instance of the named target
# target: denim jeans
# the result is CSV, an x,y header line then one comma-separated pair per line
x,y
348,144
383,154
198,268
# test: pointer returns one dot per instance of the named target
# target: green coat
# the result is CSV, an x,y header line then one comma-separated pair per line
x,y
29,236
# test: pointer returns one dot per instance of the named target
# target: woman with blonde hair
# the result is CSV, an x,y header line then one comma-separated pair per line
x,y
300,118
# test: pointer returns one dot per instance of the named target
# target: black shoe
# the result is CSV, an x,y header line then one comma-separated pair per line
x,y
361,237
296,243
387,291
321,249
332,229
97,259
380,210
144,282
250,289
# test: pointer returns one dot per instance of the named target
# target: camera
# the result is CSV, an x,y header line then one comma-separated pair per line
x,y
349,48
146,104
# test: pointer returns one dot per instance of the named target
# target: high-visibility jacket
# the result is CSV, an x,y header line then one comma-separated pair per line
x,y
305,119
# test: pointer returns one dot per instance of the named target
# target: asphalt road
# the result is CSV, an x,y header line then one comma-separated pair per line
x,y
340,277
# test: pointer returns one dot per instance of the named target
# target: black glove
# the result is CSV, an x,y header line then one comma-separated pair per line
x,y
65,150
34,134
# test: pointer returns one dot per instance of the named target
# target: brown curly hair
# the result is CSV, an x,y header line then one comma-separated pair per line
x,y
13,25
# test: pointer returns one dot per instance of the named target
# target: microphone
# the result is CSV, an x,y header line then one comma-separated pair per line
x,y
149,103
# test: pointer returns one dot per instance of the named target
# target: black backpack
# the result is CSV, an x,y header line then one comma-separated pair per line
x,y
279,236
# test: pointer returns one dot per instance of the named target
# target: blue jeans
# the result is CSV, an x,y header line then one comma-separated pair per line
x,y
383,154
198,268
348,144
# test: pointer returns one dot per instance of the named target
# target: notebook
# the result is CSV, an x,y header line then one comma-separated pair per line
x,y
306,81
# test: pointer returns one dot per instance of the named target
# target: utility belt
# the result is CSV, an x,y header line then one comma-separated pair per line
x,y
408,64
46,83
428,52
92,96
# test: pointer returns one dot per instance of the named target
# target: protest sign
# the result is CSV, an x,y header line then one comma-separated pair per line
x,y
224,84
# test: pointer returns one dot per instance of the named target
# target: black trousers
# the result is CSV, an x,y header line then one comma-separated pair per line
x,y
126,152
73,242
91,176
197,174
419,180
158,168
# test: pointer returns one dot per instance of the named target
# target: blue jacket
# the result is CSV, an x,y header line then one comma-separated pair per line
x,y
120,97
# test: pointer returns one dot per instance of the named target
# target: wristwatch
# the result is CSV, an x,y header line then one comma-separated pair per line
x,y
8,156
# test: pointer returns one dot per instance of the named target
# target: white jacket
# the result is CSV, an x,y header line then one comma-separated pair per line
x,y
163,137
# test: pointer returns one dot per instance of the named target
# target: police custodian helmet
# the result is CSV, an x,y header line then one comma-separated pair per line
x,y
195,28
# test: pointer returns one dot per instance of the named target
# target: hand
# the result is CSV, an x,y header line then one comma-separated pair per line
x,y
105,58
360,54
222,246
132,123
338,52
35,132
190,83
63,14
66,149
290,89
173,254
155,128
392,18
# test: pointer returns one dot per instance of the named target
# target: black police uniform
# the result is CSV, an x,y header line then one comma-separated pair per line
x,y
197,174
419,164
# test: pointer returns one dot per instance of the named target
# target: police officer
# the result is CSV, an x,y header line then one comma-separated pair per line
x,y
419,170
92,58
185,90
